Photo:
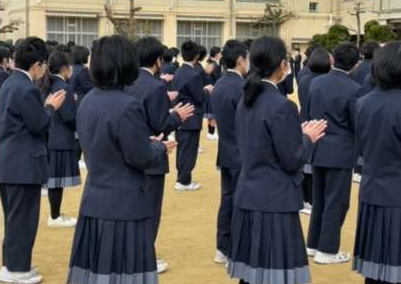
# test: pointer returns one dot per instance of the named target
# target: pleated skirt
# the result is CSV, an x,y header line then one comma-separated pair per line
x,y
377,253
63,169
208,109
267,248
113,252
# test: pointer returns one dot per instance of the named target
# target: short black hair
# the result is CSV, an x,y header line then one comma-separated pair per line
x,y
189,50
70,44
214,50
387,66
30,51
58,60
148,49
176,51
248,42
346,56
319,61
4,53
79,54
202,52
63,48
232,50
368,49
168,55
114,63
311,48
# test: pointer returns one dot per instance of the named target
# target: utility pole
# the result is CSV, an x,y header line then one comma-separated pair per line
x,y
358,10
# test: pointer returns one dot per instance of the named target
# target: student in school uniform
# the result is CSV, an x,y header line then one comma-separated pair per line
x,y
308,52
368,49
168,66
5,56
333,97
287,86
116,218
319,63
23,162
153,95
297,63
62,160
189,83
225,99
266,235
378,133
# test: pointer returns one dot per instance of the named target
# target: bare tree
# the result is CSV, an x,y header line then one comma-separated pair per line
x,y
358,9
12,26
124,25
274,16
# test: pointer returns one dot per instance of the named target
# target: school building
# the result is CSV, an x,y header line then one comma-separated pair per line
x,y
210,22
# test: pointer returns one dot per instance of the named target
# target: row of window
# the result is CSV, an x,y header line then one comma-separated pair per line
x,y
83,30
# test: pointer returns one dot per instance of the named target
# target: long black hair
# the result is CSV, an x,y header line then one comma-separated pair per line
x,y
266,55
57,61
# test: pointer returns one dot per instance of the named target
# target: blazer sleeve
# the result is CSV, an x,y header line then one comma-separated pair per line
x,y
196,91
35,116
291,146
158,109
67,111
84,81
351,108
138,150
3,78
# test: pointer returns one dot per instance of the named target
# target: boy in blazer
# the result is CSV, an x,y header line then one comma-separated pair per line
x,y
24,123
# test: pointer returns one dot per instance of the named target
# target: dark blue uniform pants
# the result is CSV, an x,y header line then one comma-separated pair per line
x,y
187,153
156,188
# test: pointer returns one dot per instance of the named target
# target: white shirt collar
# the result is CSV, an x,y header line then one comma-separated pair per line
x,y
270,82
188,63
26,73
340,70
61,77
147,69
235,71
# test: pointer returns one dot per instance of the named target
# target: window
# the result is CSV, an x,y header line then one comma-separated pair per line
x,y
313,7
250,31
149,28
205,33
80,30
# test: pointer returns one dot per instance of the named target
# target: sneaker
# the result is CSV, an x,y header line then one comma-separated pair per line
x,y
220,257
210,136
44,192
82,165
30,277
162,266
190,187
311,252
200,150
357,178
307,209
61,222
215,136
325,258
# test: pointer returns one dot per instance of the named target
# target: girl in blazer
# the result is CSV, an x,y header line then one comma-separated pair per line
x,y
266,235
114,237
62,160
378,133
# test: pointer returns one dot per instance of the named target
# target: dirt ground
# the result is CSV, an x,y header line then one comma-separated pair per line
x,y
187,235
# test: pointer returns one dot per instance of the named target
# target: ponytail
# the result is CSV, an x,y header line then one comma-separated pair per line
x,y
252,89
46,83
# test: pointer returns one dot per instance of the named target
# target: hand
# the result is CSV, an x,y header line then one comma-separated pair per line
x,y
184,111
158,138
209,88
170,146
315,129
76,97
167,77
172,95
56,99
209,68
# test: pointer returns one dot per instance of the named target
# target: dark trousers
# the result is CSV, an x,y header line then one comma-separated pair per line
x,y
187,153
229,180
371,281
331,197
3,195
22,211
156,188
78,150
307,185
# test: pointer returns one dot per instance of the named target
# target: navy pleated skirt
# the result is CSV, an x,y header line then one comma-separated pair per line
x,y
377,253
63,169
268,248
208,109
113,252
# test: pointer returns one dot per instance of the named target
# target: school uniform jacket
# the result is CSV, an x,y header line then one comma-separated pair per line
x,y
286,87
115,141
364,68
303,94
216,73
368,85
272,151
62,128
81,82
378,133
168,68
333,97
225,99
153,95
304,71
23,126
3,75
189,84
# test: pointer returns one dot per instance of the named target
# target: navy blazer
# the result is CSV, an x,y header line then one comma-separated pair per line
x,y
62,128
3,75
378,133
273,151
23,126
333,98
189,84
115,141
216,73
80,81
304,71
368,85
168,68
363,69
225,98
303,94
286,87
153,95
